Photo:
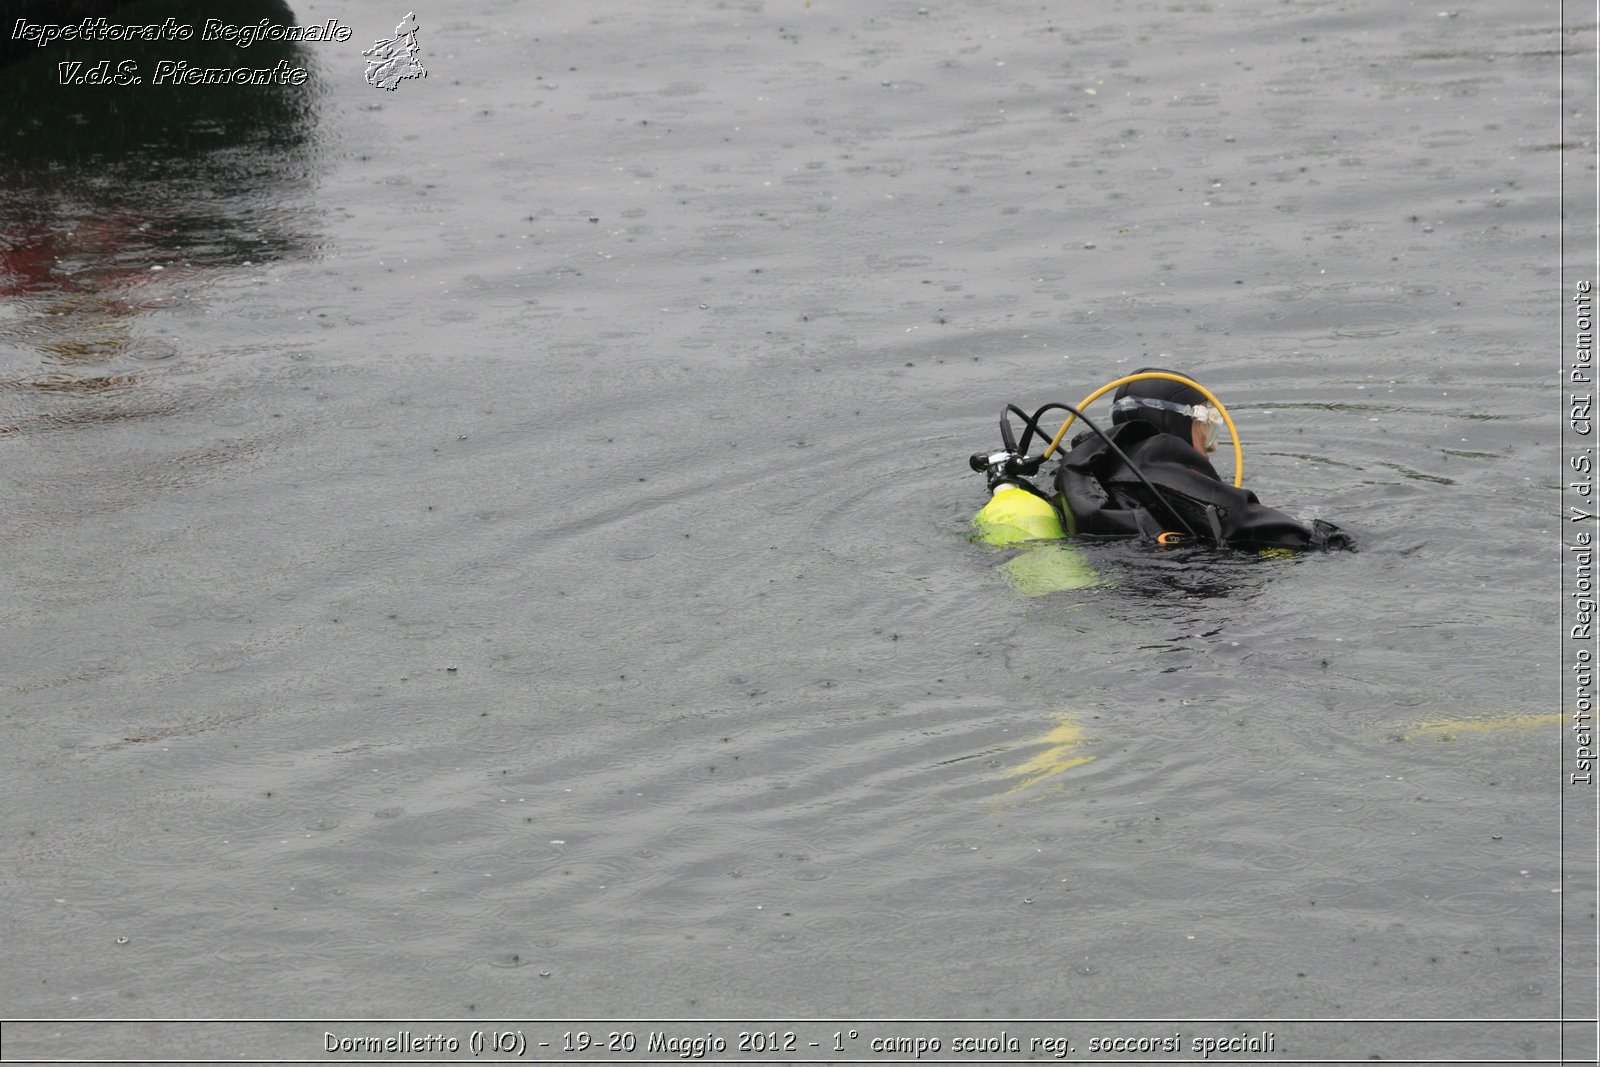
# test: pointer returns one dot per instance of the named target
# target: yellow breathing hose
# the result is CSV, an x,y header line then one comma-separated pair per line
x,y
1238,452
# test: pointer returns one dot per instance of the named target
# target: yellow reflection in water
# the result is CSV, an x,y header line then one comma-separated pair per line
x,y
1451,729
1044,567
1060,752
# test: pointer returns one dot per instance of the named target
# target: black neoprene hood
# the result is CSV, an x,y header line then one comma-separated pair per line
x,y
1166,421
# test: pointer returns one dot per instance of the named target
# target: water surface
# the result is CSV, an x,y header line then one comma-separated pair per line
x,y
497,547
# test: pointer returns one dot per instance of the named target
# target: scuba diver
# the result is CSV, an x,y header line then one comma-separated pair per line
x,y
1148,476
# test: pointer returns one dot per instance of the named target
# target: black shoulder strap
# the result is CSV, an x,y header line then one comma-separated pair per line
x,y
1149,529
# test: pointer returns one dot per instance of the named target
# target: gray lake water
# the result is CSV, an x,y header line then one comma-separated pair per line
x,y
497,548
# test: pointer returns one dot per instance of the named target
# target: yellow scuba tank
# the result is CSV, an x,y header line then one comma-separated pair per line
x,y
1013,514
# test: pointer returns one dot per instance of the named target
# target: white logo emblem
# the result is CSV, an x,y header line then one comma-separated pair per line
x,y
393,61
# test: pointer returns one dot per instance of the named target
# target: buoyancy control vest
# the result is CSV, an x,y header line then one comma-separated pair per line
x,y
1100,495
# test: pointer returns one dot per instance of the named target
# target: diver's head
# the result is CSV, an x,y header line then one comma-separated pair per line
x,y
1172,407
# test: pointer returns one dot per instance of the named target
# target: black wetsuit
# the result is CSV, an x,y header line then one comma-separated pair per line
x,y
1099,495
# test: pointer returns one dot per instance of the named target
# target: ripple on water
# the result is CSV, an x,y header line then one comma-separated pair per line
x,y
520,663
149,350
1278,858
1476,903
